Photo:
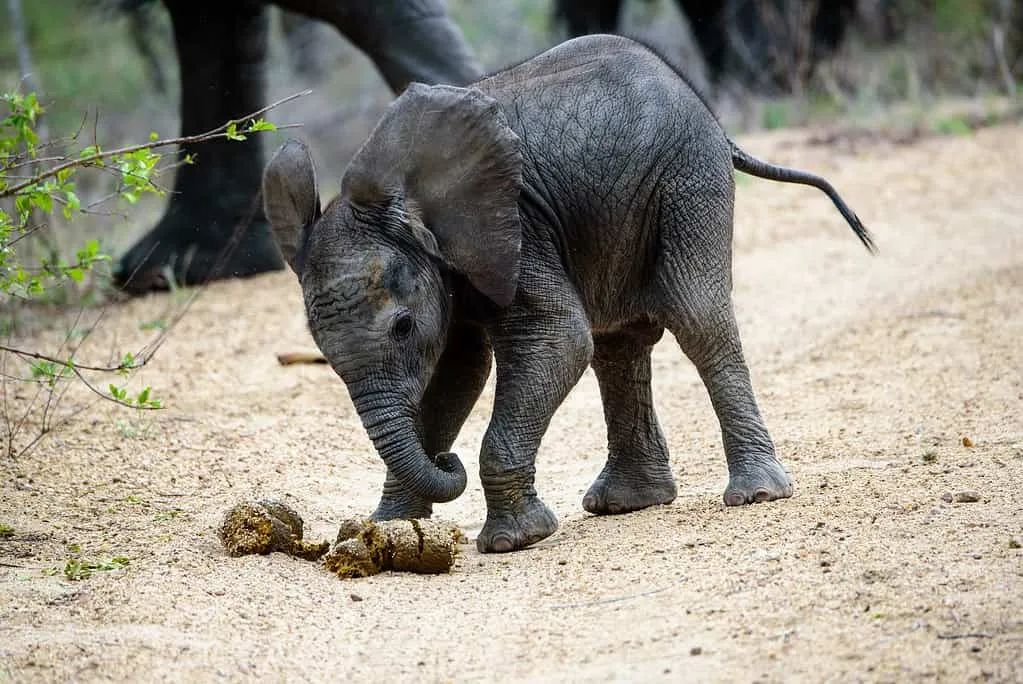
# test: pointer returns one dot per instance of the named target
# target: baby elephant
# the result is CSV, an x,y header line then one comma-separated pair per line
x,y
558,214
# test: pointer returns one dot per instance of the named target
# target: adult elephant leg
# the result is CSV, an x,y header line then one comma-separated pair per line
x,y
829,27
456,384
707,25
582,17
637,473
541,349
213,226
408,40
303,37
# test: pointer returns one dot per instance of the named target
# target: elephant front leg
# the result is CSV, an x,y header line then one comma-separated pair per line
x,y
213,226
454,388
537,365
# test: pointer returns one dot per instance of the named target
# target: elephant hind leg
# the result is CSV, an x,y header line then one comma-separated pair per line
x,y
695,285
709,336
637,473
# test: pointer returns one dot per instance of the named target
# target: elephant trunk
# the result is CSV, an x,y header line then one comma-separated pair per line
x,y
394,435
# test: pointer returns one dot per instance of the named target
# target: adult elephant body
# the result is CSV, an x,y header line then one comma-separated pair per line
x,y
562,213
214,225
763,43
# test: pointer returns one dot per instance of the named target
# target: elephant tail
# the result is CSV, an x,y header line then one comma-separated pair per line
x,y
746,163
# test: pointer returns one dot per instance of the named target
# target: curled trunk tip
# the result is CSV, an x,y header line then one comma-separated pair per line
x,y
438,480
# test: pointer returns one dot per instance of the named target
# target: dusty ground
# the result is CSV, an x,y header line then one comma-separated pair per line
x,y
870,373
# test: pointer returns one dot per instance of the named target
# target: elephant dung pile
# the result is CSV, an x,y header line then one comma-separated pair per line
x,y
363,547
264,526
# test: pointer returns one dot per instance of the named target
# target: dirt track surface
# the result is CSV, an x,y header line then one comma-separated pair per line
x,y
870,371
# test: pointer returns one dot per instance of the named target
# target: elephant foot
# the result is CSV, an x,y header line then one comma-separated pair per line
x,y
620,490
508,530
758,482
175,252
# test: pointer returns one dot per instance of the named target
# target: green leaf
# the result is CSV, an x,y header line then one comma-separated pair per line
x,y
75,570
232,132
261,125
43,369
71,204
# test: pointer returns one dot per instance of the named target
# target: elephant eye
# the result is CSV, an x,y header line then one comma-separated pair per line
x,y
402,325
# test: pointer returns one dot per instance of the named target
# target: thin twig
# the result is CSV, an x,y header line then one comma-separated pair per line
x,y
7,413
617,599
218,132
28,161
25,234
68,363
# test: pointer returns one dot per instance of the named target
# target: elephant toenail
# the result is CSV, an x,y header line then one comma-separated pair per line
x,y
501,544
734,498
761,495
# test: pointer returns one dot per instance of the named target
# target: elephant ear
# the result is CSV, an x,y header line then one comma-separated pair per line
x,y
451,158
291,201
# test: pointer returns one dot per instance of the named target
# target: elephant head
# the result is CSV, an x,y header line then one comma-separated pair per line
x,y
431,197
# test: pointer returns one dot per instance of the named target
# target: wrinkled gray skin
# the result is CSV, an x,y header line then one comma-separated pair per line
x,y
558,214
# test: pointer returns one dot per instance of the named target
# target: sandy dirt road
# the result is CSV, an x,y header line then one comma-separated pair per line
x,y
870,371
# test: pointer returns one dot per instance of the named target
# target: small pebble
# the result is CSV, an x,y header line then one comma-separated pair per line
x,y
968,496
355,597
695,650
946,497
1015,544
967,442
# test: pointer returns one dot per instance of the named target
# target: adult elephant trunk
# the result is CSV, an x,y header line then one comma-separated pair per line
x,y
394,435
